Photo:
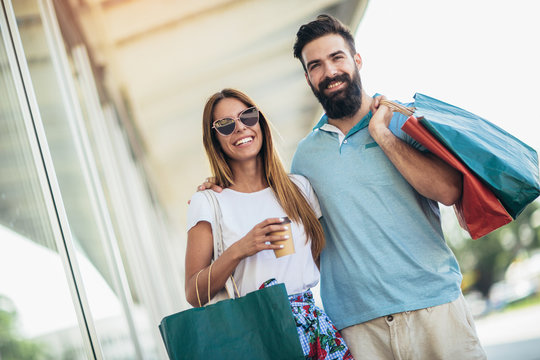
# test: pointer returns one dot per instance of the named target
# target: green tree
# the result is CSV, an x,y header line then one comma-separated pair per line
x,y
485,260
12,346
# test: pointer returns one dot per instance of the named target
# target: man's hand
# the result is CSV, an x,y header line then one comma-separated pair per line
x,y
210,183
429,175
380,120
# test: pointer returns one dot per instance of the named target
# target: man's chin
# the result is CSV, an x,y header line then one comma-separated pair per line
x,y
336,95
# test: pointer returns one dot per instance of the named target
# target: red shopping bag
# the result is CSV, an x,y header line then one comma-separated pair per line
x,y
478,211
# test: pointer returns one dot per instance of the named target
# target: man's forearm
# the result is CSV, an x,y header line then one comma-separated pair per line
x,y
429,175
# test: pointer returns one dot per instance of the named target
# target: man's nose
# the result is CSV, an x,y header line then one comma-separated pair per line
x,y
331,70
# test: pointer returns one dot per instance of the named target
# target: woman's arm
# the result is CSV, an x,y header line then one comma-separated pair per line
x,y
199,253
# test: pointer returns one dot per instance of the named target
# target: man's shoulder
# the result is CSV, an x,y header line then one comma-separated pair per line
x,y
311,138
305,146
301,154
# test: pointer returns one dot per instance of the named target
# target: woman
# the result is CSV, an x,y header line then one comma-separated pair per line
x,y
257,194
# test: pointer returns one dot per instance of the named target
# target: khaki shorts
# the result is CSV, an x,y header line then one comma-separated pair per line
x,y
441,332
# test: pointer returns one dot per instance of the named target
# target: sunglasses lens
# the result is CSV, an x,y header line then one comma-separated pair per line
x,y
225,126
250,116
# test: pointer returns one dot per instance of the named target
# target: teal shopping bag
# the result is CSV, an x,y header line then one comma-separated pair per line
x,y
259,325
502,162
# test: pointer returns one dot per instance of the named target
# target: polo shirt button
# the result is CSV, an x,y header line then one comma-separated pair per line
x,y
390,318
344,141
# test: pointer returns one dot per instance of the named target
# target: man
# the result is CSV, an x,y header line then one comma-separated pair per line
x,y
388,280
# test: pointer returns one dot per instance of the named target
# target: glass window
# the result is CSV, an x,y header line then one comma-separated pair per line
x,y
37,314
60,114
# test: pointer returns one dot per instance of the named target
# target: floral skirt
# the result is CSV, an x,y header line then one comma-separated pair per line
x,y
319,337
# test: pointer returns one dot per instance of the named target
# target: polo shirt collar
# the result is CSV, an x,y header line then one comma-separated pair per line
x,y
359,126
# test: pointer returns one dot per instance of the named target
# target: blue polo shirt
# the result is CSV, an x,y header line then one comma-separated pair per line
x,y
385,251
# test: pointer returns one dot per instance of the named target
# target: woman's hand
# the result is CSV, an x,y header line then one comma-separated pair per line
x,y
200,249
260,238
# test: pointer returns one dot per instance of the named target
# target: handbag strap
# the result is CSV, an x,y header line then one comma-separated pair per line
x,y
197,286
394,106
209,276
217,228
219,246
231,278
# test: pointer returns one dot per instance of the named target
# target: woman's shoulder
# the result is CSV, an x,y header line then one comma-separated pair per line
x,y
302,182
199,209
299,179
198,197
203,199
305,187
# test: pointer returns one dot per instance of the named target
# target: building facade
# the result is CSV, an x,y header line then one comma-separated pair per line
x,y
86,263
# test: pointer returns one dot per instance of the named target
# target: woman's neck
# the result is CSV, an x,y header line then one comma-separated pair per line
x,y
248,176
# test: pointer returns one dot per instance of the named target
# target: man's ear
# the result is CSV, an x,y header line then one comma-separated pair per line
x,y
358,61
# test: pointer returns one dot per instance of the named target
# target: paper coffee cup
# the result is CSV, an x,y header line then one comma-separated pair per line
x,y
288,244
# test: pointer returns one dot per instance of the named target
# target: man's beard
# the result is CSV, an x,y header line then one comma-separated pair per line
x,y
344,103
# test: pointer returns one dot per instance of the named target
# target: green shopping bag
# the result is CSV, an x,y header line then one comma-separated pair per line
x,y
259,325
506,165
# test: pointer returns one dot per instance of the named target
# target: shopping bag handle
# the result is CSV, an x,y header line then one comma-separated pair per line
x,y
407,111
209,274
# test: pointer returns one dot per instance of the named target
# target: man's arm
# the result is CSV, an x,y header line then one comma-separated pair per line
x,y
429,175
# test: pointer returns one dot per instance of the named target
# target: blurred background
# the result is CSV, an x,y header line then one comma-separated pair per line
x,y
100,125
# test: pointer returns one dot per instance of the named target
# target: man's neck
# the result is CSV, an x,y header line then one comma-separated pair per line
x,y
347,123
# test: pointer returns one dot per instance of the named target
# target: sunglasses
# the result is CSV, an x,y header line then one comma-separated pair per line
x,y
226,126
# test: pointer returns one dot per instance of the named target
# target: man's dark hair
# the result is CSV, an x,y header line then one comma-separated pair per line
x,y
323,25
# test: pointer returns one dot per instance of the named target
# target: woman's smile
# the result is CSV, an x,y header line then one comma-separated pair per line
x,y
243,141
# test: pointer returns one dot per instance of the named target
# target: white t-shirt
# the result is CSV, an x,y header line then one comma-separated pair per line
x,y
241,212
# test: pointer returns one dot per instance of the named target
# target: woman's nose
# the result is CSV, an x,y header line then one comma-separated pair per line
x,y
239,125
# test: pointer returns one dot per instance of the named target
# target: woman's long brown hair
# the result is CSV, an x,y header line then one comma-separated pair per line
x,y
287,193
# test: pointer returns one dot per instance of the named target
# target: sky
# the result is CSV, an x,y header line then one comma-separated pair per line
x,y
480,55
